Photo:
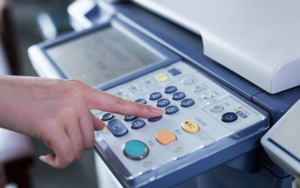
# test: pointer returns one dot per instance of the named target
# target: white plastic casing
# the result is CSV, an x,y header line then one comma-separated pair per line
x,y
277,154
259,40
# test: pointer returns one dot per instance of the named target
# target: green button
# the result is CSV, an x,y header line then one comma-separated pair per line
x,y
135,150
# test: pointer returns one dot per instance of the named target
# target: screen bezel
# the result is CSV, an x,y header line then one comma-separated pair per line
x,y
167,57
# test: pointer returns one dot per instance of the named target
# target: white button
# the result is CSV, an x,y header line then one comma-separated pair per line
x,y
217,108
134,88
187,81
208,95
120,93
148,83
198,89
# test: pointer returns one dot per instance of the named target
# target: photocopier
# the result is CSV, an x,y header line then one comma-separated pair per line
x,y
223,71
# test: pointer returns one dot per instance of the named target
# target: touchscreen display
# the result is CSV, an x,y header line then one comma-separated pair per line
x,y
100,56
287,136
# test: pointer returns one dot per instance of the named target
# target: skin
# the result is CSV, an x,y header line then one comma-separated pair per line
x,y
57,112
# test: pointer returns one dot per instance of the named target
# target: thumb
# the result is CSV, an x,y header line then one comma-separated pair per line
x,y
48,159
98,124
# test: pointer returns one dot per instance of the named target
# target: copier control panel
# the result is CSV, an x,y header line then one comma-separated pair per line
x,y
198,113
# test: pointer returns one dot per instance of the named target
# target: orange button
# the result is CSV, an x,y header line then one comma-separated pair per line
x,y
165,137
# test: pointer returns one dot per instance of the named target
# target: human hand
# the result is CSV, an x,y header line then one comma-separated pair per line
x,y
58,112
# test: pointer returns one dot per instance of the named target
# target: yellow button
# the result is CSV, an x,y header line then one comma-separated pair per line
x,y
161,77
190,126
165,137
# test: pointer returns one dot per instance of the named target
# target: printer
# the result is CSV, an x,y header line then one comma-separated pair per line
x,y
250,48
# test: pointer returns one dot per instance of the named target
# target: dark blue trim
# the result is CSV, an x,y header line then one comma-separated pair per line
x,y
277,104
283,149
94,14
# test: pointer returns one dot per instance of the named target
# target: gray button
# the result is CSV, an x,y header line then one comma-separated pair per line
x,y
217,108
120,93
208,95
198,89
134,88
187,81
148,83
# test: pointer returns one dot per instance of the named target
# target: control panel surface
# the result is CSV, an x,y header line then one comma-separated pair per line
x,y
198,113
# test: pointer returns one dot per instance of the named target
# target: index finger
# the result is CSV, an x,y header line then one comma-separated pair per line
x,y
104,101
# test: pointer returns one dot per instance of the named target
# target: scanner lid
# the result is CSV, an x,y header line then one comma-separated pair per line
x,y
259,40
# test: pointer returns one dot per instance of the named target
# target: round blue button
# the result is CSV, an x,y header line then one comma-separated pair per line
x,y
135,150
155,119
171,110
170,89
117,128
229,117
163,103
107,116
129,118
187,102
142,101
178,96
155,96
137,124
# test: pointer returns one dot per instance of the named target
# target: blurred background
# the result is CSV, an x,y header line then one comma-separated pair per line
x,y
22,32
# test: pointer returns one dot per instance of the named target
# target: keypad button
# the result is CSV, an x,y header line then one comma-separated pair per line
x,y
155,119
129,118
120,93
198,89
187,102
165,137
142,101
187,81
135,150
137,124
174,71
134,88
161,77
229,117
171,110
208,95
155,96
117,128
107,116
163,103
217,108
178,96
148,83
190,126
170,89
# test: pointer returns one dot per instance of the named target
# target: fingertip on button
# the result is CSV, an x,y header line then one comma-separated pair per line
x,y
157,111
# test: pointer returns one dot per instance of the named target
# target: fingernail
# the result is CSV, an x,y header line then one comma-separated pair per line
x,y
42,158
157,110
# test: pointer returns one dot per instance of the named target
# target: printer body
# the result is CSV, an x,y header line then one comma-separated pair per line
x,y
242,164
